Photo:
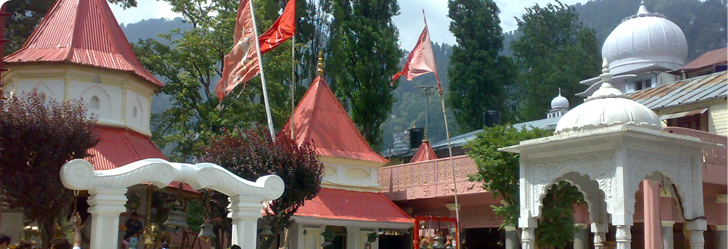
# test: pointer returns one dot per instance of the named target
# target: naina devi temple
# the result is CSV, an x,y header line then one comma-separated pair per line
x,y
78,51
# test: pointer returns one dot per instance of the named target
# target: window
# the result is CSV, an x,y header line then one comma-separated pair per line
x,y
94,104
134,112
642,84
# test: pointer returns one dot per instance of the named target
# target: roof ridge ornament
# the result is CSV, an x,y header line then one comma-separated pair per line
x,y
320,64
606,90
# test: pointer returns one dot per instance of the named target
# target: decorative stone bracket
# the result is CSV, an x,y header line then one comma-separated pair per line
x,y
107,189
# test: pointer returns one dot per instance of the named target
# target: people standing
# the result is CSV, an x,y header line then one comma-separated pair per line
x,y
133,225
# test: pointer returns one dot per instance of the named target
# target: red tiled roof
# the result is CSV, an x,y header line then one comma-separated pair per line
x,y
708,59
119,146
353,205
83,32
321,120
424,153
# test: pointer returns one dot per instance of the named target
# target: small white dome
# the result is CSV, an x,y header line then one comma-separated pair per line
x,y
607,107
645,40
559,102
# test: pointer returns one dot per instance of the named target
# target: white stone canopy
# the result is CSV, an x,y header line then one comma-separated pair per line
x,y
107,190
605,150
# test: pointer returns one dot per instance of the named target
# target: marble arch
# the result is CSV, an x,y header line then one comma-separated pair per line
x,y
107,189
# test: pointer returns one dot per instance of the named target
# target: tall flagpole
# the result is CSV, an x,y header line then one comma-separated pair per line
x,y
293,84
262,74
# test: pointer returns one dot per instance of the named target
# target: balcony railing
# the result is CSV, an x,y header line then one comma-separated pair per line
x,y
427,172
711,156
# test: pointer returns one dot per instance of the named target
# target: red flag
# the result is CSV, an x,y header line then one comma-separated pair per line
x,y
241,64
421,60
281,30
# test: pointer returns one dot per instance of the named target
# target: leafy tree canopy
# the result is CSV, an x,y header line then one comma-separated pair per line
x,y
478,75
36,138
555,51
362,57
252,153
499,173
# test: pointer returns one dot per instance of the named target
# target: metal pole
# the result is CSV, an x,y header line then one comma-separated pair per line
x,y
262,74
427,114
293,85
452,165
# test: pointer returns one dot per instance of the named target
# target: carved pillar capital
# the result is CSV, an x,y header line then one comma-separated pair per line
x,y
624,237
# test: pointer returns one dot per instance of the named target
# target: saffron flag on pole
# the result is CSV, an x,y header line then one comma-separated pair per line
x,y
241,64
281,30
421,60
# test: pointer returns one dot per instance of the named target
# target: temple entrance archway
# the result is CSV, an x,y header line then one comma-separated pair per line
x,y
107,189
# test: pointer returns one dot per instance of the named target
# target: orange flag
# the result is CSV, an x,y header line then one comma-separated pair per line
x,y
281,30
241,64
421,60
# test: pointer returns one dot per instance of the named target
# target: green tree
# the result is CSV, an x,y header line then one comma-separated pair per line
x,y
362,57
499,173
478,75
25,16
252,153
36,138
556,50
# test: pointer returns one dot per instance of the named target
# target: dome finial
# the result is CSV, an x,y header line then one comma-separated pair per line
x,y
606,89
559,91
642,9
320,64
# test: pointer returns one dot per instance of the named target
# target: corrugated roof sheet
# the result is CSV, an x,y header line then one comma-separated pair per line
x,y
119,146
83,32
708,59
682,92
461,140
353,205
321,120
424,153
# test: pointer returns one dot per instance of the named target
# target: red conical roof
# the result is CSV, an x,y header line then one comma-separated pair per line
x,y
83,32
321,120
424,153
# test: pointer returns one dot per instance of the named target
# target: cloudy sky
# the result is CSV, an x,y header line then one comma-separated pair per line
x,y
409,21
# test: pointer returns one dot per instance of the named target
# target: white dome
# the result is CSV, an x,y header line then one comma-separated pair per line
x,y
645,40
559,102
607,107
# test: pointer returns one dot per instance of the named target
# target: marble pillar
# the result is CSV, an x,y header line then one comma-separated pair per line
x,y
652,226
623,235
105,206
581,236
721,236
528,235
668,242
245,213
512,238
697,228
600,234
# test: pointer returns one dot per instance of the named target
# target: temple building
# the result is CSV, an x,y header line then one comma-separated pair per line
x,y
349,203
647,60
78,51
